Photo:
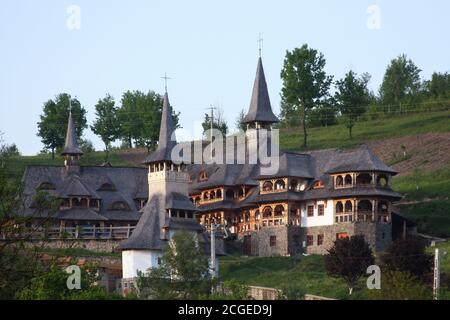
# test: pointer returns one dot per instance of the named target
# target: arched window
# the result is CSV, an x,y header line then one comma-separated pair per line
x,y
212,194
348,206
219,193
197,200
363,178
107,187
119,206
382,180
280,185
383,207
229,194
267,212
348,179
294,184
279,209
364,206
206,196
339,181
339,207
267,186
46,186
241,193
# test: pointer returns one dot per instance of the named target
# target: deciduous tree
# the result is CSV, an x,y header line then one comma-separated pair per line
x,y
352,97
305,82
52,126
348,259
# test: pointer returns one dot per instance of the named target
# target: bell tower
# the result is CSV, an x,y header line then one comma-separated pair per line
x,y
72,152
164,176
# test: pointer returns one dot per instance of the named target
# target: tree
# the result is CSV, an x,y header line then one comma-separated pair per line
x,y
439,85
52,126
397,285
408,255
218,123
349,259
352,97
51,284
129,119
401,81
106,125
239,125
183,273
305,82
140,118
323,115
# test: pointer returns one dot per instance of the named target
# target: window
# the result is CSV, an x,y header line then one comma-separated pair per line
x,y
309,240
202,176
341,235
318,185
267,186
296,240
319,239
107,187
310,211
273,241
46,186
321,209
119,205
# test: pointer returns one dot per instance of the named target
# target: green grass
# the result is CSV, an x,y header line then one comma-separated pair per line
x,y
422,185
429,193
306,275
432,217
16,165
337,136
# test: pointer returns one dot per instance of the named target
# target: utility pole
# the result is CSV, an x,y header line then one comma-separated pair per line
x,y
211,108
213,250
436,277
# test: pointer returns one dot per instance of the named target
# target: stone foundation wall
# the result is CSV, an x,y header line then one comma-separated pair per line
x,y
329,236
97,245
260,241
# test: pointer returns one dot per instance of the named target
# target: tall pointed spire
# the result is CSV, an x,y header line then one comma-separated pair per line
x,y
260,108
167,128
71,147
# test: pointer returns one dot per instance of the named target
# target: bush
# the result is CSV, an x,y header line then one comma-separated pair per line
x,y
397,285
408,255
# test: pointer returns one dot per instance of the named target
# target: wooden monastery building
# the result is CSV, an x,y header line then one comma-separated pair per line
x,y
313,199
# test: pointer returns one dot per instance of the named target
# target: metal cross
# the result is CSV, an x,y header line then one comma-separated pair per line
x,y
165,80
260,42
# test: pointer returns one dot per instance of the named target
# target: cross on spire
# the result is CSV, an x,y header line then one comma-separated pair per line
x,y
165,80
260,43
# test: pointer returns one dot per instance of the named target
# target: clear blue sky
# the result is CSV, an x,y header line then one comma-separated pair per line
x,y
209,48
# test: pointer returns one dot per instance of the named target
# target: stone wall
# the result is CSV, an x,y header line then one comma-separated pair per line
x,y
260,241
378,235
98,245
329,236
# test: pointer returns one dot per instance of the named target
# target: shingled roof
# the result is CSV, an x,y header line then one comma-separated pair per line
x,y
360,159
260,108
126,181
165,144
71,145
147,235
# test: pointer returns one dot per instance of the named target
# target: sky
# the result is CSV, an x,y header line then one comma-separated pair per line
x,y
208,48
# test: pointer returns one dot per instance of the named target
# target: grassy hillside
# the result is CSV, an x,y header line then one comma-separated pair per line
x,y
305,275
427,200
337,136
